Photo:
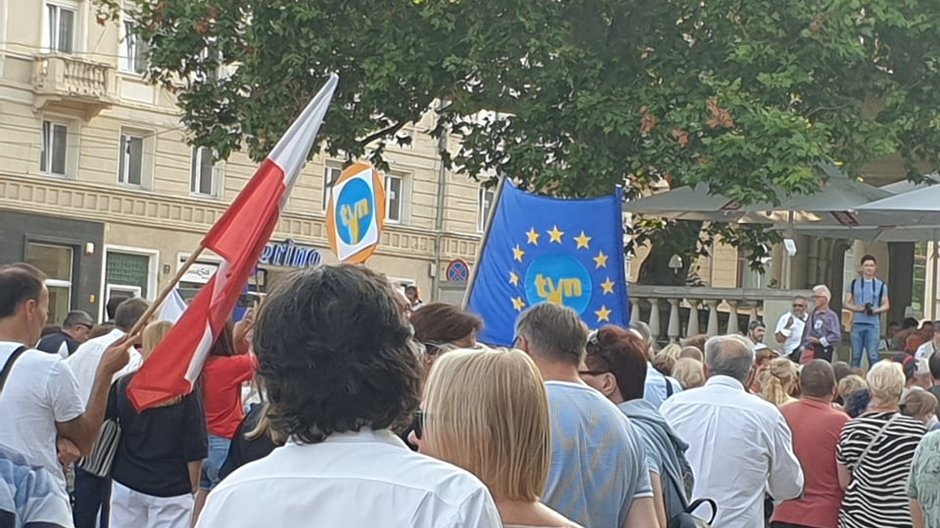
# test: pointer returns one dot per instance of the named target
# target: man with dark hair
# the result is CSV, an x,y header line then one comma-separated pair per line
x,y
816,427
40,400
75,330
867,298
111,308
756,330
598,476
93,493
739,444
340,367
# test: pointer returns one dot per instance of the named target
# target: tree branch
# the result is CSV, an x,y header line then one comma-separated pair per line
x,y
384,132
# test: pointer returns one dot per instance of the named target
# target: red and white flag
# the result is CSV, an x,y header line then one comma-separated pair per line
x,y
238,238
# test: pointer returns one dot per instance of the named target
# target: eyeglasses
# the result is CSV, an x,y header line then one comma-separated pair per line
x,y
418,425
85,326
592,372
799,306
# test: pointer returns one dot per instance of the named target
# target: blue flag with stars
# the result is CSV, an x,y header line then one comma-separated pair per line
x,y
548,249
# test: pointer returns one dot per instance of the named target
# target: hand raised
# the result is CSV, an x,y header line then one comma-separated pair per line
x,y
116,356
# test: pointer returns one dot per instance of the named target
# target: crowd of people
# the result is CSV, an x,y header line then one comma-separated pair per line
x,y
369,407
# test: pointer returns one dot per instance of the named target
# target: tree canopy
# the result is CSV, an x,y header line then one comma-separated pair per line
x,y
570,96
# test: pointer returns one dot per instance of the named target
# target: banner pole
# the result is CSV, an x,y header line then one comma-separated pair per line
x,y
497,198
138,326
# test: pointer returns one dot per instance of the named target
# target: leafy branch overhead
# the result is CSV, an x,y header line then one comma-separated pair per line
x,y
570,96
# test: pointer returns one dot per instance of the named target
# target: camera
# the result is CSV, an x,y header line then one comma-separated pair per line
x,y
868,309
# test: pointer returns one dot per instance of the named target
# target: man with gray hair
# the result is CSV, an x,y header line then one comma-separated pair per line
x,y
740,444
823,330
598,473
75,330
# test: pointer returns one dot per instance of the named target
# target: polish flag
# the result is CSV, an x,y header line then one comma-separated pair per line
x,y
238,237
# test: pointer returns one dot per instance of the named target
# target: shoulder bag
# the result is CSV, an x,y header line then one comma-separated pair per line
x,y
101,459
874,441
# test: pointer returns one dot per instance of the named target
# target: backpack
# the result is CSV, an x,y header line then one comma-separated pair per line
x,y
881,290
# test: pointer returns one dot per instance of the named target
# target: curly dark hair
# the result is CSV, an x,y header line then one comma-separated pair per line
x,y
336,354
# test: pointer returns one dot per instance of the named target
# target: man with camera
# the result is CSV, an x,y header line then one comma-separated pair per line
x,y
867,298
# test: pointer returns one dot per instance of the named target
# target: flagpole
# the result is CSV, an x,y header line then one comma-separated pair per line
x,y
486,235
152,309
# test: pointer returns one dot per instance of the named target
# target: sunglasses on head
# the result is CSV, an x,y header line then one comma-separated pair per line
x,y
418,425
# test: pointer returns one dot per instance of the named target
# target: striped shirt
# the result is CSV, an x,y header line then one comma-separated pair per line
x,y
877,494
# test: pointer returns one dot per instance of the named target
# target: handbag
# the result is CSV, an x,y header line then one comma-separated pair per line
x,y
101,458
687,520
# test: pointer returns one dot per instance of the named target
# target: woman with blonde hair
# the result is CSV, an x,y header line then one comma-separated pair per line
x,y
487,412
159,455
689,372
778,381
874,455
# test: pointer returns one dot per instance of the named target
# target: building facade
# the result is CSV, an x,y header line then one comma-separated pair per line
x,y
99,189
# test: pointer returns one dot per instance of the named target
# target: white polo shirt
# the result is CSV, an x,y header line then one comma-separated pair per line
x,y
84,362
367,479
39,392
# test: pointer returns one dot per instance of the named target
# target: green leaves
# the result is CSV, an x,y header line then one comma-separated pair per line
x,y
581,95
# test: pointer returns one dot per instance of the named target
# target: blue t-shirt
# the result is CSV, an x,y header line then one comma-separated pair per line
x,y
868,291
30,495
598,460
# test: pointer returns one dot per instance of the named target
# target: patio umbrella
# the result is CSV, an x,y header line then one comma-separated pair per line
x,y
691,203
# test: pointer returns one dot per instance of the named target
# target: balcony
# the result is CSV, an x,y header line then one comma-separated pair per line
x,y
70,84
675,312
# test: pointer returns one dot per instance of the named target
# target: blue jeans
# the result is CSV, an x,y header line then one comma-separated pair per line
x,y
218,451
865,336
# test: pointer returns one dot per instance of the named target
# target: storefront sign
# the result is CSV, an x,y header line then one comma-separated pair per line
x,y
199,273
289,255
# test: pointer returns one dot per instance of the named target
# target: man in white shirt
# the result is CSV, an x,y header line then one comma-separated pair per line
x,y
789,330
658,386
93,493
740,445
340,367
40,399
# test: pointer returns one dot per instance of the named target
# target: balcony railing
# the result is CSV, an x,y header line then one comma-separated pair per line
x,y
72,83
675,312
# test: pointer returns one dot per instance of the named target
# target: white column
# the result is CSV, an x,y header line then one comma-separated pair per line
x,y
673,328
654,317
693,326
712,317
733,317
634,309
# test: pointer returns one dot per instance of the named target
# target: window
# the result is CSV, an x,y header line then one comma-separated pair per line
x,y
205,173
393,199
330,175
61,28
56,263
132,158
54,154
486,202
127,272
134,56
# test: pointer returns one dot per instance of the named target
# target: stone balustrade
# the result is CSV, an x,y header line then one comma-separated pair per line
x,y
69,81
677,312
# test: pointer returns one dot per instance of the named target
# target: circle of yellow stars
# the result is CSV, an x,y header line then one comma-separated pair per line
x,y
556,236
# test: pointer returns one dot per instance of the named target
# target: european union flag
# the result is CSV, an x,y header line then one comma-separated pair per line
x,y
548,249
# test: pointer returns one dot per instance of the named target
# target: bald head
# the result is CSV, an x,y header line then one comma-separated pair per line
x,y
818,379
729,355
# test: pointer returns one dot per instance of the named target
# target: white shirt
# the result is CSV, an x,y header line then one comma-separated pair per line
x,y
367,479
39,392
925,351
794,334
84,362
654,390
739,446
